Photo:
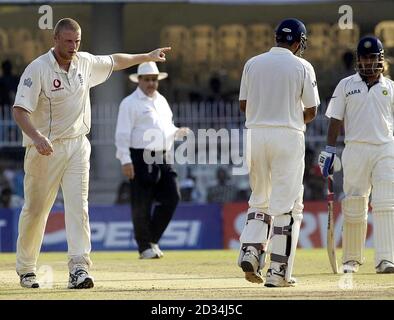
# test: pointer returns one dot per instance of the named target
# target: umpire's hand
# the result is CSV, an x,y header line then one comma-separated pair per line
x,y
128,170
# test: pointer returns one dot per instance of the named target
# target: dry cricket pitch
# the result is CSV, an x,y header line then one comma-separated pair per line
x,y
206,275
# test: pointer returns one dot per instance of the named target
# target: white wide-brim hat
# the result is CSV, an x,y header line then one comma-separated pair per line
x,y
147,68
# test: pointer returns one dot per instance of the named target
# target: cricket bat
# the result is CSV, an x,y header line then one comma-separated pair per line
x,y
330,226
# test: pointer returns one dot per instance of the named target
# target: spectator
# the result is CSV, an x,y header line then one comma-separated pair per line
x,y
9,200
187,186
222,191
244,191
215,88
348,63
8,84
4,182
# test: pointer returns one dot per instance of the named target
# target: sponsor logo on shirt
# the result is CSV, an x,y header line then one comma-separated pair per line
x,y
80,79
314,83
353,92
57,85
27,82
385,92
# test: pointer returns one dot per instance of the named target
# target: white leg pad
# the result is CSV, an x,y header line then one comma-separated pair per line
x,y
383,220
255,230
284,241
256,233
355,211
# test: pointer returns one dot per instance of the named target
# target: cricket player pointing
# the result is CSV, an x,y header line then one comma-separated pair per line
x,y
279,95
52,108
365,104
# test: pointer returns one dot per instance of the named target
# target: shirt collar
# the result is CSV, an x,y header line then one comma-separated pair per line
x,y
56,66
358,78
141,95
280,50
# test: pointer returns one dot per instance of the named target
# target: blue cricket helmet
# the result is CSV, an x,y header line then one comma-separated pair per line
x,y
290,31
370,56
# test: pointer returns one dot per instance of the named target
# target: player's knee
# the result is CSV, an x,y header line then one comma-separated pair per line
x,y
355,208
383,196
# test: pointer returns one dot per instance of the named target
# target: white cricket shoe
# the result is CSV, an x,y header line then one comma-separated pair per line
x,y
155,247
149,254
276,278
250,265
29,280
80,279
385,267
351,266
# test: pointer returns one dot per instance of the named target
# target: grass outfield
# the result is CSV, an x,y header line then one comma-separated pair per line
x,y
195,275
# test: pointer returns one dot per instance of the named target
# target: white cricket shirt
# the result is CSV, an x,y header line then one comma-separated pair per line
x,y
58,101
277,86
367,114
143,123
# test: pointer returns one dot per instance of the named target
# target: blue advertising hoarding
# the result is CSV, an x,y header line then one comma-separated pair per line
x,y
192,227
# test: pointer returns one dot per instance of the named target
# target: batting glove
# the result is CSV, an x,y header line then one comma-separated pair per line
x,y
326,161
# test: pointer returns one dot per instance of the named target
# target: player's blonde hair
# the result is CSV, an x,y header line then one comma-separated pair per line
x,y
66,24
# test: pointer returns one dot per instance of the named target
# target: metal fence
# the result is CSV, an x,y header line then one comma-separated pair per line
x,y
201,115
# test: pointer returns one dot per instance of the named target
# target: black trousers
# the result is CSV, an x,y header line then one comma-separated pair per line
x,y
154,197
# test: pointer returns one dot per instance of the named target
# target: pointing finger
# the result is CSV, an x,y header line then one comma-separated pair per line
x,y
165,49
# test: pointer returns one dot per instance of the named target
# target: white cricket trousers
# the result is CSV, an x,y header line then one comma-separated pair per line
x,y
68,167
369,169
366,164
275,157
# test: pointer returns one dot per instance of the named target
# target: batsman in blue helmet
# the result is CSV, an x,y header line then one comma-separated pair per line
x,y
292,31
279,95
364,104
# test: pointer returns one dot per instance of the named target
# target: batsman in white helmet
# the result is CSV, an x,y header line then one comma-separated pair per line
x,y
364,102
279,95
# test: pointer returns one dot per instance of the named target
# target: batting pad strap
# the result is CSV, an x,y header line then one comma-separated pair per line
x,y
260,216
285,231
279,258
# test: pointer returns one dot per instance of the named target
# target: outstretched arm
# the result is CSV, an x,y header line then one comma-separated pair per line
x,y
124,60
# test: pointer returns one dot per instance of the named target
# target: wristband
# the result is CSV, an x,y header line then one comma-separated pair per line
x,y
331,149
